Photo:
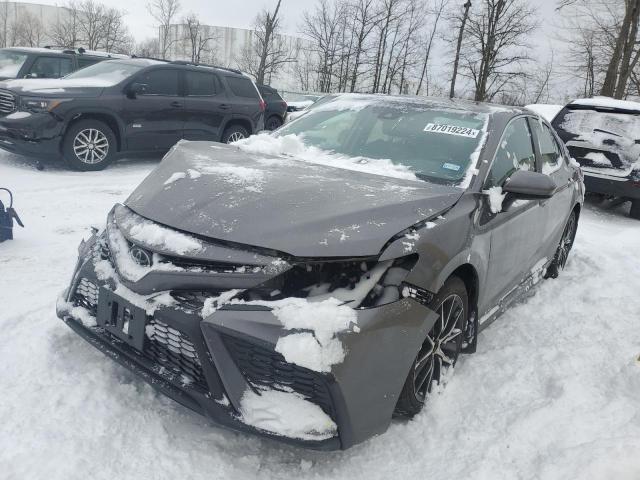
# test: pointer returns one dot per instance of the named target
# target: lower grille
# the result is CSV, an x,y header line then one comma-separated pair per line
x,y
173,350
7,102
264,367
86,295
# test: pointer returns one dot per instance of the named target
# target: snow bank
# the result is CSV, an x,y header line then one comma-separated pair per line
x,y
287,414
293,146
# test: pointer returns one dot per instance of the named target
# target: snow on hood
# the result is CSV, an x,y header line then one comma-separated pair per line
x,y
297,207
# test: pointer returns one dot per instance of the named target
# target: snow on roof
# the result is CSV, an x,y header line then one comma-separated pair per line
x,y
546,111
608,102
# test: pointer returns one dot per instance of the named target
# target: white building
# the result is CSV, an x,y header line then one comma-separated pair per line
x,y
225,47
27,24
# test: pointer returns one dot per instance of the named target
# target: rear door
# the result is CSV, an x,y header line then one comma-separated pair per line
x,y
515,225
246,100
154,120
207,108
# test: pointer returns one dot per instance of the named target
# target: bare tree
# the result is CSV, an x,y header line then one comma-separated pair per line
x,y
164,12
197,37
267,50
437,11
365,18
29,30
148,48
495,47
66,31
91,28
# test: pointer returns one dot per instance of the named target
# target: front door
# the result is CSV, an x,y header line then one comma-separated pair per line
x,y
515,225
154,119
206,106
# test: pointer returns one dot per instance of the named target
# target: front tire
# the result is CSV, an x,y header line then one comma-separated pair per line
x,y
273,123
89,145
234,133
439,350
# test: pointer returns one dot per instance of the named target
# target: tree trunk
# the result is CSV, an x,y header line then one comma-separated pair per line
x,y
452,89
629,44
609,85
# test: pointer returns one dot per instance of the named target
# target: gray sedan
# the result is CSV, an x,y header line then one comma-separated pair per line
x,y
311,284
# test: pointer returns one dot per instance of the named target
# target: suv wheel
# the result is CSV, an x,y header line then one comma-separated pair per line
x,y
273,122
89,145
635,209
234,133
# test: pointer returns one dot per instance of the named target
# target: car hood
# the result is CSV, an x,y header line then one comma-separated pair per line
x,y
278,203
53,87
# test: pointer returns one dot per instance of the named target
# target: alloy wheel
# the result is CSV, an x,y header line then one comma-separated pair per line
x,y
441,347
235,136
91,146
566,242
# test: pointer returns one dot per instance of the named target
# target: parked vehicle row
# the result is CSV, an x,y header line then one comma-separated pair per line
x,y
330,292
126,106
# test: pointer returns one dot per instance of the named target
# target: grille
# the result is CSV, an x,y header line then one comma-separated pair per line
x,y
7,102
87,295
173,350
265,367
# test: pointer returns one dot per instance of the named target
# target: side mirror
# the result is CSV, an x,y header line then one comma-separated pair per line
x,y
529,184
136,89
31,75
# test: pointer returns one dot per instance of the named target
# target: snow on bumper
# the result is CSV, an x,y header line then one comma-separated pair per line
x,y
226,365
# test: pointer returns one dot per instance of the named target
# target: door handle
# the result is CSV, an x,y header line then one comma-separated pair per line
x,y
176,104
224,106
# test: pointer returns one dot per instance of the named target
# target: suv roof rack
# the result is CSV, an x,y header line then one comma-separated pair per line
x,y
196,64
143,57
83,51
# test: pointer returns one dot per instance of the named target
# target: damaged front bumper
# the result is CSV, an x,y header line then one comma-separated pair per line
x,y
209,364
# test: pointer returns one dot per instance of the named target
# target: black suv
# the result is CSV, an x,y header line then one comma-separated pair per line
x,y
19,62
276,113
126,106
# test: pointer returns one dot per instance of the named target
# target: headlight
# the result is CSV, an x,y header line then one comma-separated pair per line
x,y
365,283
39,105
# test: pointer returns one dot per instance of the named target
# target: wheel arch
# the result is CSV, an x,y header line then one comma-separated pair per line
x,y
243,122
107,117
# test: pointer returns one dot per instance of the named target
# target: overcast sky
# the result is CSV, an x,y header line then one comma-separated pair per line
x,y
240,13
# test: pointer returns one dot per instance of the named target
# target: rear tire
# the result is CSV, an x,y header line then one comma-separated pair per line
x,y
566,242
89,145
635,209
440,349
234,133
273,123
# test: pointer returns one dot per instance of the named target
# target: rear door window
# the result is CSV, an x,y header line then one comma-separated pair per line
x,y
200,84
242,87
550,151
86,61
515,152
162,82
50,67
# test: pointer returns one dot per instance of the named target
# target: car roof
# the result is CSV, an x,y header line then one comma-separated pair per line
x,y
69,51
434,102
605,104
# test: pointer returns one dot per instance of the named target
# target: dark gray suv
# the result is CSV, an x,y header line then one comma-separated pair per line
x,y
310,284
126,106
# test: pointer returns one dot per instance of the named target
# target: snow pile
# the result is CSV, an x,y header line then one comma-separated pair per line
x,y
212,304
315,344
152,234
251,179
546,111
287,414
495,199
293,146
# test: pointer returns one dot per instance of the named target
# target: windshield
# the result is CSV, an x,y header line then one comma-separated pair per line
x,y
107,73
435,144
11,63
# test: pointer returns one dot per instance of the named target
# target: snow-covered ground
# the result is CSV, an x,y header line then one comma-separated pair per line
x,y
553,391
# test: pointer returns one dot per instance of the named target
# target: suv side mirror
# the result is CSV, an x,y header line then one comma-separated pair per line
x,y
529,184
136,89
31,75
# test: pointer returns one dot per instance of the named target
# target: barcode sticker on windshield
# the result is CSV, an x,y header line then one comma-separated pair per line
x,y
451,130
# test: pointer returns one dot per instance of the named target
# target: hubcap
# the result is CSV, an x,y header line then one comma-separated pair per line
x,y
235,136
566,242
441,348
91,146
